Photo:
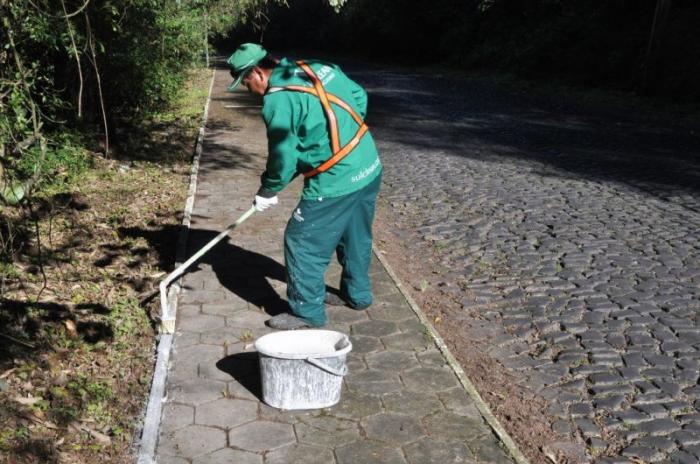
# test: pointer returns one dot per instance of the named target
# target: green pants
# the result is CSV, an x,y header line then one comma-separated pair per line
x,y
316,229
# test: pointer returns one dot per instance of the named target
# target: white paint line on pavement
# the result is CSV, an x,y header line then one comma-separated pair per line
x,y
242,106
481,405
151,423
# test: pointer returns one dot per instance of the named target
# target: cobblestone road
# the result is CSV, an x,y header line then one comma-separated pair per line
x,y
579,228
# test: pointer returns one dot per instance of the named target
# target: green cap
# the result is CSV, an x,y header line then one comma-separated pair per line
x,y
246,56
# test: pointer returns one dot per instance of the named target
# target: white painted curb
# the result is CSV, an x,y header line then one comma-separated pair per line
x,y
151,425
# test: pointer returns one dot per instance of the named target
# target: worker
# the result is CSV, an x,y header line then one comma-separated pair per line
x,y
314,116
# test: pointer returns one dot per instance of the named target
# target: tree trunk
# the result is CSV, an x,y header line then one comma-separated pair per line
x,y
206,36
655,37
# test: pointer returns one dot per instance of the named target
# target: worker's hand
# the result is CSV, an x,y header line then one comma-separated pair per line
x,y
262,203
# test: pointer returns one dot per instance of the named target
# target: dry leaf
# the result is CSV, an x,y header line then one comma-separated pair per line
x,y
71,328
100,437
45,423
28,401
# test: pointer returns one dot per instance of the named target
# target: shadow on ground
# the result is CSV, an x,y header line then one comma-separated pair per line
x,y
245,369
27,329
479,120
245,273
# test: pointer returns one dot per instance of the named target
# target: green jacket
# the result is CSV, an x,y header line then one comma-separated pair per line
x,y
298,139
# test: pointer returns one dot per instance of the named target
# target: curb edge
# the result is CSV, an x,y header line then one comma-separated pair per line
x,y
156,398
481,405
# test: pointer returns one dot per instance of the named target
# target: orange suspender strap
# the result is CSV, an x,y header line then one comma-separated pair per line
x,y
332,98
330,115
326,165
325,98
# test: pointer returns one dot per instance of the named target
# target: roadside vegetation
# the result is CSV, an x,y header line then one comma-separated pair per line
x,y
100,103
78,319
649,47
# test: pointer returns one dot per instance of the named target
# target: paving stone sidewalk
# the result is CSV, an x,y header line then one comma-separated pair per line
x,y
401,402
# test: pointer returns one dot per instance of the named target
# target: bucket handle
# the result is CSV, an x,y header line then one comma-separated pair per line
x,y
323,366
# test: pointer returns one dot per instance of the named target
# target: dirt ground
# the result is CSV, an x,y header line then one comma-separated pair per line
x,y
520,412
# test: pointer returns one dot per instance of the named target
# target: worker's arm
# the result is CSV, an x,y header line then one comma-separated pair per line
x,y
283,145
360,97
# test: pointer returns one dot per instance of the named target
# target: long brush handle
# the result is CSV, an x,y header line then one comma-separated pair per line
x,y
168,322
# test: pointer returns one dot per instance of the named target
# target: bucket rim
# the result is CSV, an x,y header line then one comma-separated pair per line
x,y
262,349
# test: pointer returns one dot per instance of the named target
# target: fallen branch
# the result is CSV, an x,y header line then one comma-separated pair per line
x,y
20,342
26,143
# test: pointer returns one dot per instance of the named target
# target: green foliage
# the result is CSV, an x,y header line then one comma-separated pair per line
x,y
126,319
589,43
71,67
65,160
12,193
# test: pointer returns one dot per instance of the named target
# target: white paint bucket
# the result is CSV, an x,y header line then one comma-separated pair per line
x,y
302,369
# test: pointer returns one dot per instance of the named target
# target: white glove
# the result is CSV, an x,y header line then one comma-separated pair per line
x,y
262,203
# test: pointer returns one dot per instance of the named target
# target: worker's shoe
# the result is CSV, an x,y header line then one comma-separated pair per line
x,y
336,300
286,321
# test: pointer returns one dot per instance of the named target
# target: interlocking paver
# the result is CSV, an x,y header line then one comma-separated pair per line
x,y
356,405
390,360
196,391
374,382
192,441
457,401
200,323
247,319
417,404
342,315
488,451
374,328
226,413
431,378
173,459
229,456
408,341
369,452
399,387
429,450
233,335
327,431
451,425
431,358
393,428
300,454
176,416
190,358
186,339
362,344
238,390
261,436
394,313
226,309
